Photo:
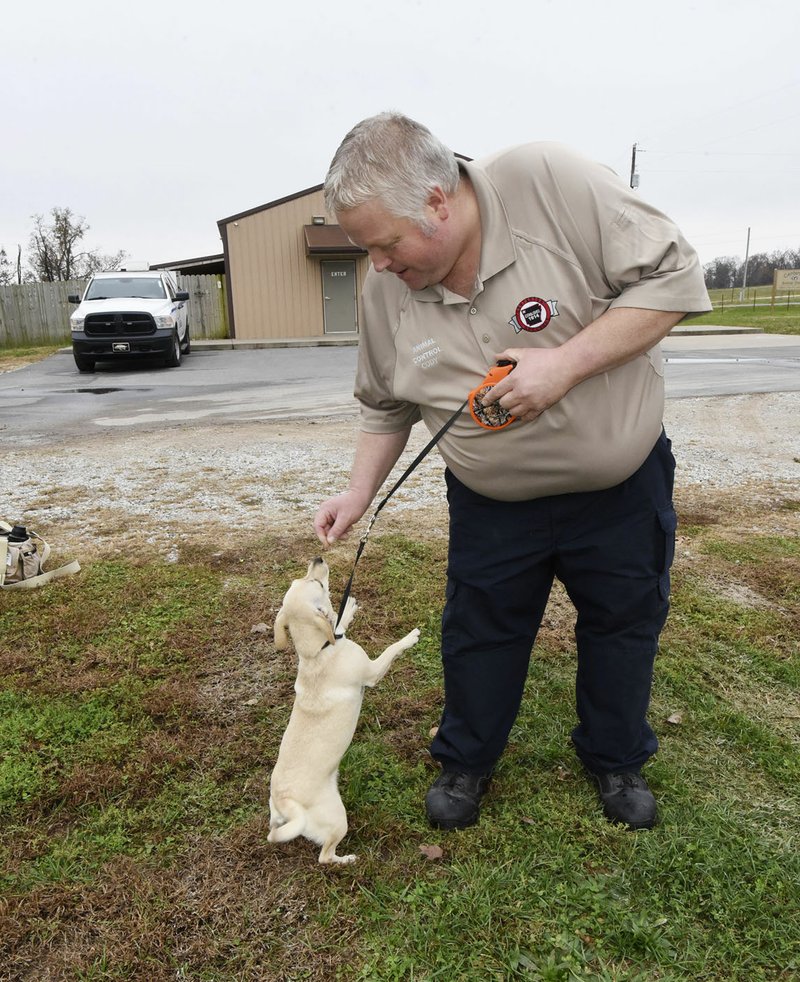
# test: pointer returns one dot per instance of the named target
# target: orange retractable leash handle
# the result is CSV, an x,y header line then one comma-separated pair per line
x,y
492,417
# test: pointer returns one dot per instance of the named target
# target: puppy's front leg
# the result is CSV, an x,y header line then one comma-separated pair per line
x,y
377,668
348,614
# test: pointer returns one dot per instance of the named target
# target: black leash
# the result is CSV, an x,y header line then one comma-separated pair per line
x,y
414,463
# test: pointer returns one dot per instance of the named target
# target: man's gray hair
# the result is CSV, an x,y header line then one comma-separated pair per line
x,y
392,158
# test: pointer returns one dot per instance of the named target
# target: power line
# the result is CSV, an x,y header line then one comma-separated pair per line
x,y
698,173
761,235
727,109
722,153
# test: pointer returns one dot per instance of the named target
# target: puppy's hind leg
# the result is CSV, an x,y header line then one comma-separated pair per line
x,y
328,854
333,828
328,851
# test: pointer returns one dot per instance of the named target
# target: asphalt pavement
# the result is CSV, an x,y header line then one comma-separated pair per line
x,y
730,364
52,399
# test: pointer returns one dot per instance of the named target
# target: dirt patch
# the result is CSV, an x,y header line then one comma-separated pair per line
x,y
209,486
11,364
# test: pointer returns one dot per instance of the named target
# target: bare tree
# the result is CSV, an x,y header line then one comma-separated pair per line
x,y
55,252
6,269
728,271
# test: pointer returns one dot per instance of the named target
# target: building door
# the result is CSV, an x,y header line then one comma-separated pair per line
x,y
339,296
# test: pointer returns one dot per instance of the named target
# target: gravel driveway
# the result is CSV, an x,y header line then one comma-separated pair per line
x,y
201,480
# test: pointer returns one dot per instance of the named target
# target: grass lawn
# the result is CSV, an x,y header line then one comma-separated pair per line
x,y
140,716
754,310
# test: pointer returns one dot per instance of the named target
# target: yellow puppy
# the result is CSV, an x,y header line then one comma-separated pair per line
x,y
331,675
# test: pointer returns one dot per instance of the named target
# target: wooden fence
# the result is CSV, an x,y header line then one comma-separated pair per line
x,y
208,305
38,313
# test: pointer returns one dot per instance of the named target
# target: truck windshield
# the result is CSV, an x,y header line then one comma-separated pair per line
x,y
151,288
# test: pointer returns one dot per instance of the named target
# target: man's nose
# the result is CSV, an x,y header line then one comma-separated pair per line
x,y
379,260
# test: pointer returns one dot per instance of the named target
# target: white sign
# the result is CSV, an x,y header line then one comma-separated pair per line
x,y
787,279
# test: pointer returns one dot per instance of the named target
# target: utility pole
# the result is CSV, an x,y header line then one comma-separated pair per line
x,y
746,258
634,175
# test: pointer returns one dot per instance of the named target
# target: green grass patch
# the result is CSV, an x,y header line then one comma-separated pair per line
x,y
30,352
755,309
140,717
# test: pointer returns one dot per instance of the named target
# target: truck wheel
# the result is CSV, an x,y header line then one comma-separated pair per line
x,y
173,359
187,341
84,364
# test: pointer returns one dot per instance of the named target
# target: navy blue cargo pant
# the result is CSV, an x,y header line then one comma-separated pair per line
x,y
612,550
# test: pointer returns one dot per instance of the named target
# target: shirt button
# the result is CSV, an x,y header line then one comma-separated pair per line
x,y
486,339
473,310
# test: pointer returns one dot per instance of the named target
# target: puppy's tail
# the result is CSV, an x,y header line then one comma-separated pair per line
x,y
294,825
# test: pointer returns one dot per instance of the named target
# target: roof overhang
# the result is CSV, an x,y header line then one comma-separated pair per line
x,y
329,240
195,267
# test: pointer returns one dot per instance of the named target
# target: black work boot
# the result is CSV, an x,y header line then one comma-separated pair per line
x,y
627,799
454,799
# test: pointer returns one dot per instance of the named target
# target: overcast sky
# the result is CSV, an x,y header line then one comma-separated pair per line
x,y
155,120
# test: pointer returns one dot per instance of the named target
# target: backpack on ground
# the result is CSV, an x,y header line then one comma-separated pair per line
x,y
22,560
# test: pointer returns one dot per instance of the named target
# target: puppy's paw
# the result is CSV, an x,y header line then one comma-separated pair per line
x,y
348,613
334,860
411,638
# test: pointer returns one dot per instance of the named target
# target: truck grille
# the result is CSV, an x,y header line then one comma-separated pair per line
x,y
118,325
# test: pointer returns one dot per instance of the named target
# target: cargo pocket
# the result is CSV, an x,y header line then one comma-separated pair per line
x,y
668,522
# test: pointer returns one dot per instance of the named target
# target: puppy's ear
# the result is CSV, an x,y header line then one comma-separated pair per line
x,y
324,624
281,639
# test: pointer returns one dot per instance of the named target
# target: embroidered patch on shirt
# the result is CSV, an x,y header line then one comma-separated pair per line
x,y
533,314
426,353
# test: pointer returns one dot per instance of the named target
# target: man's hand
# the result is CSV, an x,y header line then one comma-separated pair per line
x,y
545,375
336,516
376,455
539,380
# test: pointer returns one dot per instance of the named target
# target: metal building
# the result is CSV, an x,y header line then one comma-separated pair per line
x,y
290,272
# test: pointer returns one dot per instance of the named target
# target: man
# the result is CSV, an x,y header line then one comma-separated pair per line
x,y
540,257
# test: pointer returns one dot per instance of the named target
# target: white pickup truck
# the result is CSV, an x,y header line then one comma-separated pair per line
x,y
124,314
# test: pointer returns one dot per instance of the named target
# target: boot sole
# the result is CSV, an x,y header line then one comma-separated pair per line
x,y
448,825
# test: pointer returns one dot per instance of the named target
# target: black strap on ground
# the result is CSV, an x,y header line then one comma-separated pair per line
x,y
411,467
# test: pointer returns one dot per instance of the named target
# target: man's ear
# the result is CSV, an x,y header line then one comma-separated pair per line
x,y
438,204
281,639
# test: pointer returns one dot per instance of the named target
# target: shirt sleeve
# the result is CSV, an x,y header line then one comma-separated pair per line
x,y
651,264
631,253
381,412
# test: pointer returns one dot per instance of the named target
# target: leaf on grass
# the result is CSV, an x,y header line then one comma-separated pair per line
x,y
676,719
433,731
431,852
259,628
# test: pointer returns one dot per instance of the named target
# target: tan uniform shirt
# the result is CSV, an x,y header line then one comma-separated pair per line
x,y
563,240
